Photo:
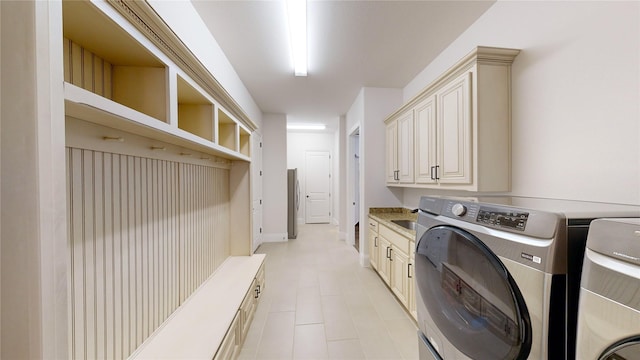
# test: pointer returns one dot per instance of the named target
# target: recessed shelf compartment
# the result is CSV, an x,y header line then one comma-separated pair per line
x,y
245,141
195,112
227,131
99,56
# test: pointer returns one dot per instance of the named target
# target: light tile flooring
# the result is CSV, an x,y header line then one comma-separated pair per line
x,y
319,303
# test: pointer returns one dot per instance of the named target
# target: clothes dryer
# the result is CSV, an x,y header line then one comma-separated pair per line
x,y
609,310
499,277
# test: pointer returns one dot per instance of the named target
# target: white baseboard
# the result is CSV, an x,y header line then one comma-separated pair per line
x,y
276,237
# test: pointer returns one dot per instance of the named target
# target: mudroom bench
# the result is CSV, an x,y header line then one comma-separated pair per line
x,y
213,322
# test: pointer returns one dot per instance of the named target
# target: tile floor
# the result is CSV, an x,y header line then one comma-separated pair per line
x,y
319,303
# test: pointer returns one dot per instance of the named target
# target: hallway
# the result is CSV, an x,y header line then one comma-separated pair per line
x,y
319,303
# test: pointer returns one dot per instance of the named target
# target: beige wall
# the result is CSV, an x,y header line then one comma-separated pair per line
x,y
576,85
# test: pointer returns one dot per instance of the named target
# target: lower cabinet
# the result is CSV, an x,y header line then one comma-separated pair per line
x,y
230,347
374,246
384,259
392,256
412,280
233,340
399,284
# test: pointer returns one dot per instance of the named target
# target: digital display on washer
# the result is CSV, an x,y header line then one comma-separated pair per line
x,y
499,217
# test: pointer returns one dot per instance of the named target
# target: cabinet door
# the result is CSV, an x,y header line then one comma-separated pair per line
x,y
454,131
392,152
374,251
383,258
399,275
230,347
248,309
412,281
405,148
425,141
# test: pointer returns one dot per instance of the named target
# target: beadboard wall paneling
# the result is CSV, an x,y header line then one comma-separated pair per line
x,y
143,235
86,69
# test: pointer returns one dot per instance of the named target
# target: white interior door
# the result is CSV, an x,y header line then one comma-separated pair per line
x,y
318,187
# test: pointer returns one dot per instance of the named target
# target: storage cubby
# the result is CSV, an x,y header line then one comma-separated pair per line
x,y
195,112
227,131
100,57
245,142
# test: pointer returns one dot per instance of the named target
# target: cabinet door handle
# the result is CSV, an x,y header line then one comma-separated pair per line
x,y
259,289
388,255
409,271
257,293
431,172
437,177
390,258
375,241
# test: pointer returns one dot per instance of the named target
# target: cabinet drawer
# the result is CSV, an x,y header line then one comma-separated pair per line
x,y
400,242
373,225
229,347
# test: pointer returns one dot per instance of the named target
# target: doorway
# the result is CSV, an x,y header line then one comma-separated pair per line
x,y
318,187
353,164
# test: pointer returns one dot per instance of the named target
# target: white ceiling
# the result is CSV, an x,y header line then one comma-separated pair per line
x,y
352,44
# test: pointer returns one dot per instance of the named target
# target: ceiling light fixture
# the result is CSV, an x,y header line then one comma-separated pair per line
x,y
306,126
297,15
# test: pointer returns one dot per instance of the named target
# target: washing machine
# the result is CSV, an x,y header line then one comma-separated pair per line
x,y
609,310
499,277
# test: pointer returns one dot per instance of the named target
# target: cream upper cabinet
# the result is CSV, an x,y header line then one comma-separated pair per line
x,y
462,137
399,141
391,141
425,144
454,133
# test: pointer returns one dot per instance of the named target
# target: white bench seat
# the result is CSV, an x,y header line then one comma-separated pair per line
x,y
198,327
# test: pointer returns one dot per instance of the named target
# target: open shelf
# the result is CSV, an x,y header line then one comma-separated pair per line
x,y
195,112
227,131
245,141
84,105
99,56
114,77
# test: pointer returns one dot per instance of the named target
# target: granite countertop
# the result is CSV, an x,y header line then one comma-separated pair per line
x,y
385,215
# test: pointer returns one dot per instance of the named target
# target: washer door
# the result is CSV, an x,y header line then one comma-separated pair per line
x,y
627,349
470,295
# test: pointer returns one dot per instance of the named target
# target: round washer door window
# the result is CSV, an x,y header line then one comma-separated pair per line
x,y
626,349
470,295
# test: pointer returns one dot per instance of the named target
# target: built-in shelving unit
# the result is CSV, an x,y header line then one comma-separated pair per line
x,y
116,77
158,169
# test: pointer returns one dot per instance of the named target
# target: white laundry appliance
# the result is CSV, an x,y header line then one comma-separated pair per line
x,y
609,310
499,277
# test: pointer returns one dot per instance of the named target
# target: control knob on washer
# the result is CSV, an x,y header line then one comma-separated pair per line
x,y
458,210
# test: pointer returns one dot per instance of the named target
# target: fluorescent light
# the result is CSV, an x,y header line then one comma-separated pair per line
x,y
297,15
306,126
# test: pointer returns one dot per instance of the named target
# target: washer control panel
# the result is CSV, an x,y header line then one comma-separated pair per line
x,y
499,217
